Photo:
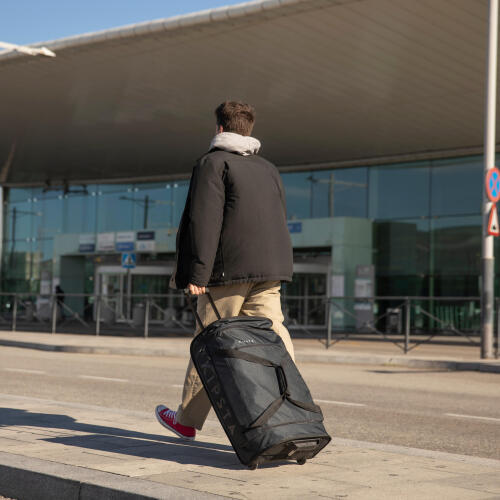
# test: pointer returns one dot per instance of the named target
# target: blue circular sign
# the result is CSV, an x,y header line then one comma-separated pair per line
x,y
493,184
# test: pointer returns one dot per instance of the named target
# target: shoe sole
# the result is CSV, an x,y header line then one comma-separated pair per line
x,y
186,438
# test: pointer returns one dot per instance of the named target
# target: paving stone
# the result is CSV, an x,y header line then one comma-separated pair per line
x,y
486,482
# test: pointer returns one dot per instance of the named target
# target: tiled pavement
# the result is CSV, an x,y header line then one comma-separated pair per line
x,y
131,450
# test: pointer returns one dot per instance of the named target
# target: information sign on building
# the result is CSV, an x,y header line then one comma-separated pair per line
x,y
125,241
145,241
295,227
364,289
86,243
105,242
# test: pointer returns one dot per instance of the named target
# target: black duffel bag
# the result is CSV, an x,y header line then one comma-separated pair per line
x,y
256,390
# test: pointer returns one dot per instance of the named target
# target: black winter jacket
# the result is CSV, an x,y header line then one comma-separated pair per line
x,y
233,228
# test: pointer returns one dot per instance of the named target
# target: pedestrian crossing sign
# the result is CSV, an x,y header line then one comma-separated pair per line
x,y
129,260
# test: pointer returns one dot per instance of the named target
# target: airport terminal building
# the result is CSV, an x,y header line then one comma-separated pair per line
x,y
372,110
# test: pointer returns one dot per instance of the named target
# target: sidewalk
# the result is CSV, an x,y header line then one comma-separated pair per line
x,y
373,352
61,450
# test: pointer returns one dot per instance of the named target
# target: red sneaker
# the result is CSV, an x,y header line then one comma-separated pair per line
x,y
166,418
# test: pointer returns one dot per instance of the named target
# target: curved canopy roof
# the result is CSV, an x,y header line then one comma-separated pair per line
x,y
331,80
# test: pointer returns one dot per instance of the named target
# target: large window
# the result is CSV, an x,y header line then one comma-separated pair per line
x,y
426,216
456,187
401,258
115,207
398,192
326,193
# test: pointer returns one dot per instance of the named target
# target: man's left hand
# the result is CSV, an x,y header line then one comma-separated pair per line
x,y
196,290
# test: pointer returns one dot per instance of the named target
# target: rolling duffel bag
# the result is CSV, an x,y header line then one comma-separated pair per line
x,y
257,391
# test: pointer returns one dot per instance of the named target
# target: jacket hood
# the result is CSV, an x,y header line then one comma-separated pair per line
x,y
236,143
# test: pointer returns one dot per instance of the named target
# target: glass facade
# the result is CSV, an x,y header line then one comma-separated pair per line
x,y
426,220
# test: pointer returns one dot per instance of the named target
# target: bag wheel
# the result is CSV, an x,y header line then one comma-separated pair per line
x,y
301,461
253,467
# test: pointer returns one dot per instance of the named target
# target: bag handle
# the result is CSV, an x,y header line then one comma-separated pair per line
x,y
195,312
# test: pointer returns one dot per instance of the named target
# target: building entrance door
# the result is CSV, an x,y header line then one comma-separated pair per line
x,y
121,289
304,298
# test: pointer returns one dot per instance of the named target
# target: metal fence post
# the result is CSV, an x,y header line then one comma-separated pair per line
x,y
98,315
54,313
146,319
407,324
329,326
497,351
14,314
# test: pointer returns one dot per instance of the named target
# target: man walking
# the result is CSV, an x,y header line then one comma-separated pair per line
x,y
233,238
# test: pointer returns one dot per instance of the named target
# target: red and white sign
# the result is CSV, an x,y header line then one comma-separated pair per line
x,y
493,184
493,227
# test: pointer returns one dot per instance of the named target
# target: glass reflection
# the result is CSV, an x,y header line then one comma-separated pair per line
x,y
398,192
457,187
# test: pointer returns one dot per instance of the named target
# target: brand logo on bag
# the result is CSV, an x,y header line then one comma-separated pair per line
x,y
214,388
248,341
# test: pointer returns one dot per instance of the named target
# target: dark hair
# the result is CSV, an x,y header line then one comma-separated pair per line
x,y
235,116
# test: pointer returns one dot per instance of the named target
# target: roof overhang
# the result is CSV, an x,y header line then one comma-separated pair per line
x,y
334,82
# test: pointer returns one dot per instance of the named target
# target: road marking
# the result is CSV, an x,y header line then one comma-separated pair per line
x,y
472,416
23,370
177,385
344,403
93,377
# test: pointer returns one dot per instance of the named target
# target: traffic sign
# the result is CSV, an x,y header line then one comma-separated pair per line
x,y
493,184
493,227
129,260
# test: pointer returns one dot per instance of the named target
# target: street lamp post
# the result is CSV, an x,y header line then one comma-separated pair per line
x,y
488,259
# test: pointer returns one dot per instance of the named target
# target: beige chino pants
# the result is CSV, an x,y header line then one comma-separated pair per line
x,y
242,299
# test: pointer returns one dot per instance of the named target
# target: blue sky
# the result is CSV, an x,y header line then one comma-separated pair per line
x,y
29,21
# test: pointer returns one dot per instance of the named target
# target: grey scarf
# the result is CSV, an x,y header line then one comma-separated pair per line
x,y
236,143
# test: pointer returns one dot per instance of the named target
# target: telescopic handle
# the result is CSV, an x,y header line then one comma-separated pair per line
x,y
195,312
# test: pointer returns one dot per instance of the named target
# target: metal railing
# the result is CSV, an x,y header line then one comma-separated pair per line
x,y
397,318
406,321
92,311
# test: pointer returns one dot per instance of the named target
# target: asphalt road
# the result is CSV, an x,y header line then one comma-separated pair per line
x,y
456,412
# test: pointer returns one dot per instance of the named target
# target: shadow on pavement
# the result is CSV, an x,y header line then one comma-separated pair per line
x,y
116,440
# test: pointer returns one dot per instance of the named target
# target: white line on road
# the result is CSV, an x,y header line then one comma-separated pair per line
x,y
177,385
472,416
23,370
344,403
93,377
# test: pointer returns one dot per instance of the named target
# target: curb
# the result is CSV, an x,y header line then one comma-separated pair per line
x,y
440,364
304,357
24,477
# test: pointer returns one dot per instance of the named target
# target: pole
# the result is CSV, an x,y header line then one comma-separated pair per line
x,y
407,324
13,236
14,314
1,228
54,313
329,326
146,210
129,295
98,316
146,319
331,188
498,330
488,262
